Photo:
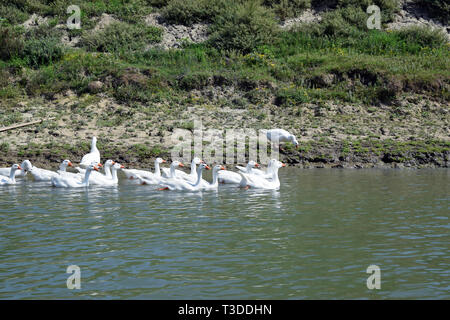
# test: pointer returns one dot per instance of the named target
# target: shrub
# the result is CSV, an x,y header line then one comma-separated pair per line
x,y
12,15
243,27
11,43
194,81
287,8
423,36
41,52
190,12
121,36
345,22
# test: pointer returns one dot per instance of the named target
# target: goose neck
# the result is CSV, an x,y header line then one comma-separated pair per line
x,y
199,177
157,169
12,175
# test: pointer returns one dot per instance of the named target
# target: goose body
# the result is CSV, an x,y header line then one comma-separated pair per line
x,y
257,172
183,185
47,175
93,156
191,177
160,179
71,182
98,178
12,176
134,173
258,182
280,135
25,165
230,177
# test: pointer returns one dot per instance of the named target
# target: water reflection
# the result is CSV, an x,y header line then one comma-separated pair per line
x,y
314,238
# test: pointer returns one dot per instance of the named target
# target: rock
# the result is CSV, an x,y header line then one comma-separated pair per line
x,y
175,35
95,86
34,21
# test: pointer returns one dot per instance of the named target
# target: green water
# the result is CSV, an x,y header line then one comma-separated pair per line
x,y
313,239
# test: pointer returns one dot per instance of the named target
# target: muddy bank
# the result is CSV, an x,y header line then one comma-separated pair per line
x,y
337,156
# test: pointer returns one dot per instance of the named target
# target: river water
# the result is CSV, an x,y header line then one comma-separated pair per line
x,y
312,239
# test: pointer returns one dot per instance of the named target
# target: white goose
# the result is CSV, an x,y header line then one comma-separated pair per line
x,y
93,156
259,182
12,176
192,177
234,177
280,135
258,172
160,179
47,175
133,173
98,178
70,182
25,165
105,181
183,185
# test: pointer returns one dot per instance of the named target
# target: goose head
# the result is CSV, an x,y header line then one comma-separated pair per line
x,y
117,166
279,164
253,164
26,166
293,140
66,163
160,160
92,167
109,163
197,160
96,164
203,166
218,167
177,163
15,167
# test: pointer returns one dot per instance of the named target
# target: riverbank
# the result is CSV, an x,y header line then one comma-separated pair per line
x,y
353,97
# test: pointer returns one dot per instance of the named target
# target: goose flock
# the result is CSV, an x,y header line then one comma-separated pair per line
x,y
174,179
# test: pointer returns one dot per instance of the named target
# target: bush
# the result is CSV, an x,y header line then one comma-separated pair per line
x,y
41,52
423,36
11,43
345,22
287,8
243,27
194,81
121,37
12,15
190,12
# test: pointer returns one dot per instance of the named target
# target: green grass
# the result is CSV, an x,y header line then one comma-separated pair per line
x,y
334,60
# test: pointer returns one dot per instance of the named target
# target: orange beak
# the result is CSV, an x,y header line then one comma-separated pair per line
x,y
222,168
70,164
122,167
20,168
181,165
100,165
257,165
283,164
164,161
207,168
95,168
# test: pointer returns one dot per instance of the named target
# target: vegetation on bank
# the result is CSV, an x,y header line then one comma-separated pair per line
x,y
337,59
